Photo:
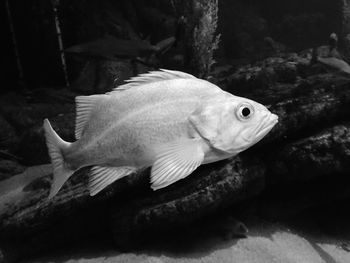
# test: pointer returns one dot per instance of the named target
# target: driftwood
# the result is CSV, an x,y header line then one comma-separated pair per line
x,y
311,140
310,172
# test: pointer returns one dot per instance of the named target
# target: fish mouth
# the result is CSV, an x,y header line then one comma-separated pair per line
x,y
266,125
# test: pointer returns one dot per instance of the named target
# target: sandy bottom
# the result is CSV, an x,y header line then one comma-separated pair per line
x,y
266,242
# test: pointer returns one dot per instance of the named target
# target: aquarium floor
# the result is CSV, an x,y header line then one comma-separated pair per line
x,y
299,241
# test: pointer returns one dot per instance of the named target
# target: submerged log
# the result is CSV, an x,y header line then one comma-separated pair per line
x,y
321,154
309,117
326,153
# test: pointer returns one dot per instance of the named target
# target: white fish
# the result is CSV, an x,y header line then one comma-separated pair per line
x,y
166,119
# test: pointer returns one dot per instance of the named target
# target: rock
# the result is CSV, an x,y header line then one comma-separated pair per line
x,y
345,246
231,228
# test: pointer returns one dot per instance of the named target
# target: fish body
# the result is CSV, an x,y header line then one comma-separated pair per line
x,y
169,120
111,47
335,64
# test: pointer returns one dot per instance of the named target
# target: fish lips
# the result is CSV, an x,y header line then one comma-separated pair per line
x,y
266,126
263,128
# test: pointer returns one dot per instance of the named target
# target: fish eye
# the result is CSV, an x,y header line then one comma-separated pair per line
x,y
245,111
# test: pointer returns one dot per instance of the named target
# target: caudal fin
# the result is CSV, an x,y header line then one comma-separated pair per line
x,y
56,145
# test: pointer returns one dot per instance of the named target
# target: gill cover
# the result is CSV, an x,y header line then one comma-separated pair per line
x,y
208,121
220,124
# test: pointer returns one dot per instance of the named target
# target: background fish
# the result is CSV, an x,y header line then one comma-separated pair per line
x,y
166,119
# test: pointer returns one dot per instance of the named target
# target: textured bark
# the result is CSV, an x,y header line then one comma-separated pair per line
x,y
205,41
321,154
345,23
310,172
210,188
345,4
319,158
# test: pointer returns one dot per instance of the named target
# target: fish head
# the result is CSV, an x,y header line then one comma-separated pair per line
x,y
243,123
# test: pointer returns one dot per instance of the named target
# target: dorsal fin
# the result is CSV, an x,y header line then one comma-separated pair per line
x,y
84,105
153,76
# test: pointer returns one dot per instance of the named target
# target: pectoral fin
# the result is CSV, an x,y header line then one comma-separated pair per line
x,y
176,161
101,177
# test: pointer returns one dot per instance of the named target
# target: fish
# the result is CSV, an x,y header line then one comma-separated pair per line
x,y
168,120
111,47
336,64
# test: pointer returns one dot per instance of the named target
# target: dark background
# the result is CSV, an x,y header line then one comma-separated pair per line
x,y
243,25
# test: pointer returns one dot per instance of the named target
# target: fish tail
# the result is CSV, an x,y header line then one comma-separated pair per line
x,y
56,146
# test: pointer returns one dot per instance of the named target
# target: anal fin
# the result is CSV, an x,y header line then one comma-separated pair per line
x,y
102,176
